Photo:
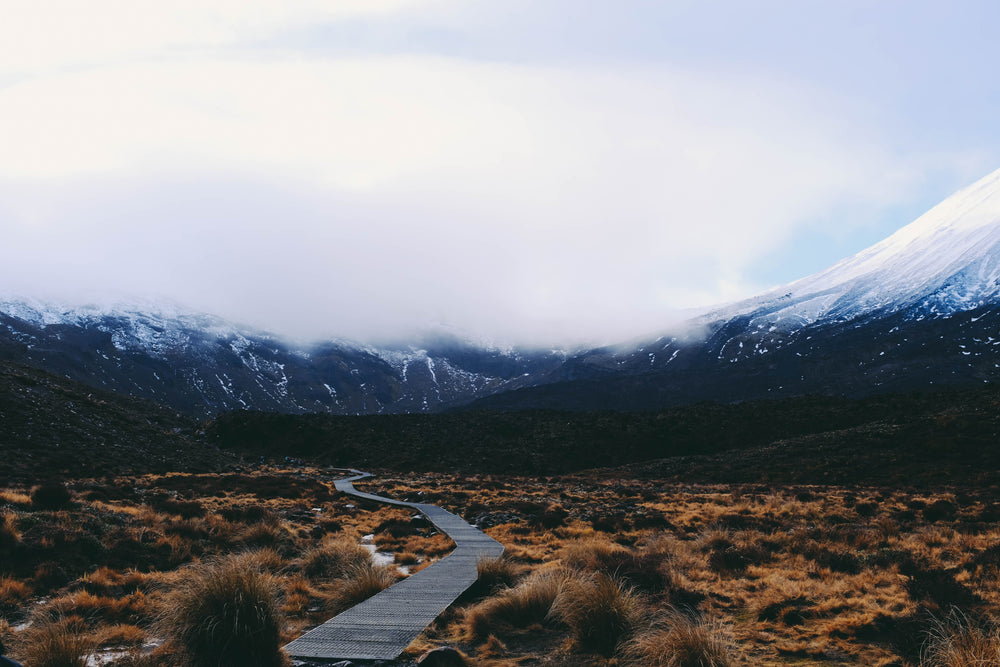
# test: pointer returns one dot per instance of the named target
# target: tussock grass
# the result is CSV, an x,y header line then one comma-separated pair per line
x,y
13,592
406,558
525,605
647,570
361,582
225,613
332,559
9,534
497,573
15,498
54,642
135,608
600,610
593,555
680,640
122,634
958,641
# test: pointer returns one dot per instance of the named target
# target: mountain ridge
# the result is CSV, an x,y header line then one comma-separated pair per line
x,y
918,308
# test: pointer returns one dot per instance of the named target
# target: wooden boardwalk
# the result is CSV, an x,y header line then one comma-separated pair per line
x,y
381,627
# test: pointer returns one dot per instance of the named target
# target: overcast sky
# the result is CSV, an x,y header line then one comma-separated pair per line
x,y
528,170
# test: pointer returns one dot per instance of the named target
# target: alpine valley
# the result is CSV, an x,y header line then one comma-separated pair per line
x,y
919,310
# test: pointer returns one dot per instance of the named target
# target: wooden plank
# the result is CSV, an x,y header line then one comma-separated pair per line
x,y
381,627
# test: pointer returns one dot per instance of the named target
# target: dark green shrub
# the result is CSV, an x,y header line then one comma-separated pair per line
x,y
51,496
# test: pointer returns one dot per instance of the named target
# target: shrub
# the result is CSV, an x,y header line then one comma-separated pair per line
x,y
9,534
593,555
406,558
497,573
512,609
225,613
51,496
682,641
550,517
13,595
600,611
957,641
54,642
361,582
332,559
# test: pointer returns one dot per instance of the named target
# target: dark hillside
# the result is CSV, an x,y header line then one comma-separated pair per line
x,y
52,426
890,438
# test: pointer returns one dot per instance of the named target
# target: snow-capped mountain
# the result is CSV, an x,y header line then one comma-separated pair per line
x,y
203,365
919,309
946,261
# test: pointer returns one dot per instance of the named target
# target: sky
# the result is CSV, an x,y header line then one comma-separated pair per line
x,y
528,171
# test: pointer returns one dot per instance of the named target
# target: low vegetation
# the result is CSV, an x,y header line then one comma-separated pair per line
x,y
225,613
601,568
208,569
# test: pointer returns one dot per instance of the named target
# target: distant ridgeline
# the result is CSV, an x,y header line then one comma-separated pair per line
x,y
917,311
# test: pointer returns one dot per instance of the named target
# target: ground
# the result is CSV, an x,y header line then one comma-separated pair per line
x,y
785,575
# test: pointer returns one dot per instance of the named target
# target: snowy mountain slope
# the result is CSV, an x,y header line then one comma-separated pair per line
x,y
948,260
203,365
920,308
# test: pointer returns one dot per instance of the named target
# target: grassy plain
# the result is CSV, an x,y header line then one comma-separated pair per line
x,y
766,574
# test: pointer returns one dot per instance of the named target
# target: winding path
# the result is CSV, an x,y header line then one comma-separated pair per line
x,y
381,627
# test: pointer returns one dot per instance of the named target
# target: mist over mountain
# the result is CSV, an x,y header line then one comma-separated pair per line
x,y
917,310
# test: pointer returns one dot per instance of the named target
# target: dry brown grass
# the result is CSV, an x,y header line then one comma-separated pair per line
x,y
9,534
797,575
15,498
406,558
134,608
515,609
958,641
497,573
54,642
600,611
332,559
13,592
225,613
681,640
361,582
120,635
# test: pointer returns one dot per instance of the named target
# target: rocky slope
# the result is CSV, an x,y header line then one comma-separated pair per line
x,y
202,365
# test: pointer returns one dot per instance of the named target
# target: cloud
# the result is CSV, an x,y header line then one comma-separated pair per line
x,y
367,196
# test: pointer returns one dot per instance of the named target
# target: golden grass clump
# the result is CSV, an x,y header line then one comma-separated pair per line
x,y
406,558
360,582
135,608
679,640
107,581
600,610
592,555
225,613
332,559
526,605
958,641
54,642
13,592
497,573
122,634
9,534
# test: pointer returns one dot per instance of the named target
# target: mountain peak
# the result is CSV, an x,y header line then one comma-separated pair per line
x,y
946,260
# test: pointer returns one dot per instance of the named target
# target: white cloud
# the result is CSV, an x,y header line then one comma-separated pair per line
x,y
40,35
521,200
